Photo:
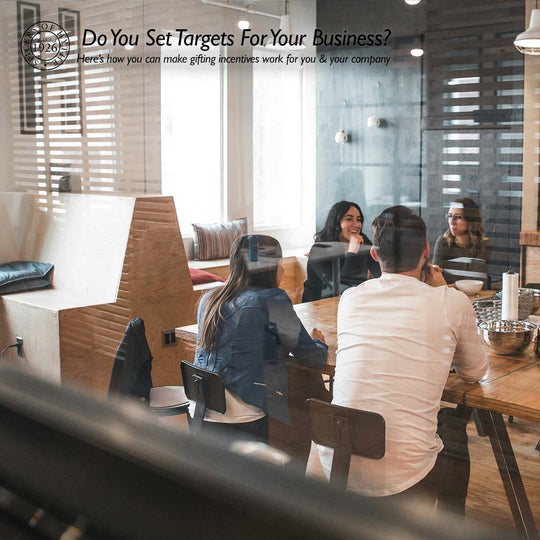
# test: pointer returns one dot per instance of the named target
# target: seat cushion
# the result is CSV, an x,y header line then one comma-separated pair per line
x,y
21,276
214,240
168,396
199,277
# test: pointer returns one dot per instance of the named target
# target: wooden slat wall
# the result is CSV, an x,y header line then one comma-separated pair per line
x,y
474,118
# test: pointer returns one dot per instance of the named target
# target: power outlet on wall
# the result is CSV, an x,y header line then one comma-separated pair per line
x,y
19,346
168,338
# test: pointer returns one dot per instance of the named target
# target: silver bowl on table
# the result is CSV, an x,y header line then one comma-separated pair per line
x,y
507,337
535,309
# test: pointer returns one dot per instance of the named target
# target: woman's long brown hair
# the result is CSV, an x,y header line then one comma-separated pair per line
x,y
473,218
243,274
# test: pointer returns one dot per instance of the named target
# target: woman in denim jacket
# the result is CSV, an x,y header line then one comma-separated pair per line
x,y
247,328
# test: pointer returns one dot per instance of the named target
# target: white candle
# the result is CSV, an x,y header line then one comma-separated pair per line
x,y
510,296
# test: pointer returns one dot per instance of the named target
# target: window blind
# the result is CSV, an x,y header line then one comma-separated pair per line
x,y
473,126
90,122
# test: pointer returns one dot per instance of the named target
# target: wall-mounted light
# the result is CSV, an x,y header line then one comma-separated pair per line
x,y
341,136
373,122
528,42
417,52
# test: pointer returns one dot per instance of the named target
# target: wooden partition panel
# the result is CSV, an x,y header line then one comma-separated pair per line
x,y
155,286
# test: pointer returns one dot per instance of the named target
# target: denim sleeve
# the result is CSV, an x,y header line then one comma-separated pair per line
x,y
292,334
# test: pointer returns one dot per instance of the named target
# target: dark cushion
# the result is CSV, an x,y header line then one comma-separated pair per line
x,y
198,276
214,240
20,276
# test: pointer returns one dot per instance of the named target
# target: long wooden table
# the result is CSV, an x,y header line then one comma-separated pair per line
x,y
510,387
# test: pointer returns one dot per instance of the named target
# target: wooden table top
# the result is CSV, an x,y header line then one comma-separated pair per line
x,y
511,386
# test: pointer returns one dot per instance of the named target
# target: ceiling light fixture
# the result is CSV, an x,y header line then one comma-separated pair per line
x,y
243,24
225,4
417,52
412,2
528,42
289,43
284,23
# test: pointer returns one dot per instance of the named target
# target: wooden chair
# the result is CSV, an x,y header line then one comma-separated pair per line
x,y
204,387
132,374
349,432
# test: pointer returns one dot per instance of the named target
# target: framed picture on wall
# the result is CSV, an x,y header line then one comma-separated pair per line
x,y
30,82
71,107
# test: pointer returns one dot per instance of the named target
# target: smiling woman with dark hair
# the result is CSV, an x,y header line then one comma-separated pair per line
x,y
340,257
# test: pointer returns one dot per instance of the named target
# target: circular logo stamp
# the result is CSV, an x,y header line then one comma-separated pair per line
x,y
45,45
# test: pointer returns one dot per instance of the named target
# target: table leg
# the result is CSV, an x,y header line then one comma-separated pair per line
x,y
478,424
493,425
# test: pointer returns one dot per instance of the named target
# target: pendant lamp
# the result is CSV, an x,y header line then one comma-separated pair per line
x,y
528,42
285,26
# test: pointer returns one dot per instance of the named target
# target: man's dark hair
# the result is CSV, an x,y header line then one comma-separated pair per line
x,y
399,236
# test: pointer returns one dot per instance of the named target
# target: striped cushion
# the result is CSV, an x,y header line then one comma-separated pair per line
x,y
214,240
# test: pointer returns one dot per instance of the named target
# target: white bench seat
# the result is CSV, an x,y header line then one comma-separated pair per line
x,y
112,262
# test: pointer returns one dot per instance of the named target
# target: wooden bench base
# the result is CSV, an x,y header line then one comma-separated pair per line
x,y
68,335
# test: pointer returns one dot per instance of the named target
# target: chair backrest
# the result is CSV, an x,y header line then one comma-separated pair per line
x,y
204,387
349,432
131,374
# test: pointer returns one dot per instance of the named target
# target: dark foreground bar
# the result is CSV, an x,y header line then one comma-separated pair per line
x,y
109,471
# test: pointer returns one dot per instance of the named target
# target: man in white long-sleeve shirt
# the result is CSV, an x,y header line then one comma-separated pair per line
x,y
398,336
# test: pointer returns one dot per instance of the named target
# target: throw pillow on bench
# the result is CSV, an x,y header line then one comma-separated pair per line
x,y
22,276
199,277
214,240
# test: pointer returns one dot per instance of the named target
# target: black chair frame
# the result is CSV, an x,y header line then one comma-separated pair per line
x,y
349,432
206,389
